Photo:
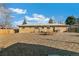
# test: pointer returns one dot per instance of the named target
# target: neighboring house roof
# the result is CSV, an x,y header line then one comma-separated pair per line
x,y
5,27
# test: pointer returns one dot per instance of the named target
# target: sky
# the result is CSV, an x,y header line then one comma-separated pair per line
x,y
42,12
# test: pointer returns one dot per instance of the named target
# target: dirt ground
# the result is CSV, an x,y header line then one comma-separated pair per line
x,y
65,41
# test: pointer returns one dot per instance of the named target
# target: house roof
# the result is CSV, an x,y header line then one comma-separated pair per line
x,y
33,25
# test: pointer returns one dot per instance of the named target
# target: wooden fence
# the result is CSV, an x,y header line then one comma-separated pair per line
x,y
7,31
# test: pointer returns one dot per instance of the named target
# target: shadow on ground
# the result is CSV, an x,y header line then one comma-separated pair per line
x,y
22,49
75,35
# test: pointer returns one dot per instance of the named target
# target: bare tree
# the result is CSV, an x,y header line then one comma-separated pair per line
x,y
5,16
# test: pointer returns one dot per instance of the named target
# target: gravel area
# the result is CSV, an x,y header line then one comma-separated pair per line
x,y
65,41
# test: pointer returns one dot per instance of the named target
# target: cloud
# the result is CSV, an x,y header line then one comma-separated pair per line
x,y
18,10
18,22
37,18
53,17
34,19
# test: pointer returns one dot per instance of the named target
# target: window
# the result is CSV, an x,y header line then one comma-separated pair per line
x,y
23,27
36,27
48,27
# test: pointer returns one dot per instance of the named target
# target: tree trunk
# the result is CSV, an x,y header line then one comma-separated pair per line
x,y
70,29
